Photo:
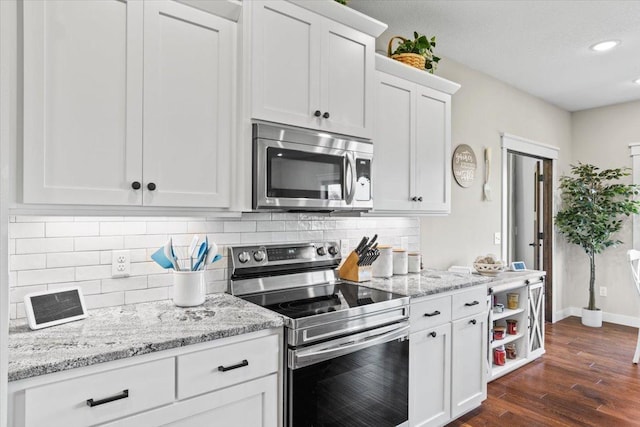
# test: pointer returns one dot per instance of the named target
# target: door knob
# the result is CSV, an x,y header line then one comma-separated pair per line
x,y
151,186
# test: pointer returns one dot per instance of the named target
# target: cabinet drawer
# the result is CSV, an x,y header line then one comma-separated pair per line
x,y
431,312
65,403
469,302
223,366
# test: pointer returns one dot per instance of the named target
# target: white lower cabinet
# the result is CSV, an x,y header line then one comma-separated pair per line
x,y
228,382
447,356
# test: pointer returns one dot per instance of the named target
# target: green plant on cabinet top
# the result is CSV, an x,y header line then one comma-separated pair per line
x,y
422,46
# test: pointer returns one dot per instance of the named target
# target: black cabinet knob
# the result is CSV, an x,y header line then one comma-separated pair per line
x,y
326,115
151,186
420,198
473,321
433,334
318,113
415,199
136,185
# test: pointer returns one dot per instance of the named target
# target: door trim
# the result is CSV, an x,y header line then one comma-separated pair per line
x,y
549,154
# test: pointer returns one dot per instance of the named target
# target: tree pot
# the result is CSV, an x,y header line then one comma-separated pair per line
x,y
592,318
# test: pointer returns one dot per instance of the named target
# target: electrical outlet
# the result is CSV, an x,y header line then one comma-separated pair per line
x,y
603,291
497,238
120,263
404,243
344,247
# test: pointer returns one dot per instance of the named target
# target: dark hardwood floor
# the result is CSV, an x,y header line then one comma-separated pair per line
x,y
586,378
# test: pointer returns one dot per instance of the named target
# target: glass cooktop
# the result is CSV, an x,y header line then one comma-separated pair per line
x,y
302,302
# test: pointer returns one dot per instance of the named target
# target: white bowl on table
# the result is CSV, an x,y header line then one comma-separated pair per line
x,y
488,269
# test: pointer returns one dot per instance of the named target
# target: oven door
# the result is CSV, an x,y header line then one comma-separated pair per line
x,y
298,176
358,380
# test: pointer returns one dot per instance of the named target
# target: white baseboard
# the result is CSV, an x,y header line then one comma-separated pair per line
x,y
618,319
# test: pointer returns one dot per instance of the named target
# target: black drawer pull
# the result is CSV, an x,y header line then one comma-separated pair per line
x,y
123,395
471,304
228,368
473,321
435,313
433,334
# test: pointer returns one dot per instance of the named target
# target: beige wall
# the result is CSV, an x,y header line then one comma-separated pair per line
x,y
482,109
601,136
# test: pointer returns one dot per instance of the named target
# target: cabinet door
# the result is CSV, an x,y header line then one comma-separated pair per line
x,y
394,143
433,151
188,83
285,66
347,74
82,102
430,376
469,363
536,320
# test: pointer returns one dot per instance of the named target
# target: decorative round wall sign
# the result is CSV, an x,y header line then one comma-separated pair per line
x,y
464,165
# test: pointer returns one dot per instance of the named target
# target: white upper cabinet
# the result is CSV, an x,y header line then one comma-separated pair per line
x,y
309,70
127,103
187,114
412,165
82,102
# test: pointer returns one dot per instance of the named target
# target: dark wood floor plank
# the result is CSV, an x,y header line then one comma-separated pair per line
x,y
586,378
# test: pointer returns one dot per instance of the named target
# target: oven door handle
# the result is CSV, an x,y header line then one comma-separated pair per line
x,y
354,179
305,357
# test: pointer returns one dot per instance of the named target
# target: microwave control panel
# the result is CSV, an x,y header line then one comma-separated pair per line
x,y
363,175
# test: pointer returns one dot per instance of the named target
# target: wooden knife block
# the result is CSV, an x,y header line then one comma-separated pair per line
x,y
350,270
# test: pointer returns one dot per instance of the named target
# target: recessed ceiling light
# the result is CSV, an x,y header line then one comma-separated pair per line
x,y
605,45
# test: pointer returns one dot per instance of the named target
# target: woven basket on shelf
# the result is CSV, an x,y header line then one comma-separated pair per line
x,y
412,59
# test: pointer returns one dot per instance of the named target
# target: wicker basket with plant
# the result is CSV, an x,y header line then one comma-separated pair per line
x,y
417,53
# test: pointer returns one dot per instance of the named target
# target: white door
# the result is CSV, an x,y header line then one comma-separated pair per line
x,y
285,64
394,142
188,84
469,363
430,376
82,102
433,151
347,86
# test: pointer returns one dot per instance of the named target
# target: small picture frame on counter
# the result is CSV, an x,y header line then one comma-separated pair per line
x,y
518,266
54,307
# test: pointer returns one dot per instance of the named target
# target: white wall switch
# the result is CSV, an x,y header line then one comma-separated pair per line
x,y
497,238
344,247
603,291
121,263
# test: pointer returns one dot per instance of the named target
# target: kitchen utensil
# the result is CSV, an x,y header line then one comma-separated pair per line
x,y
165,256
361,245
369,245
486,190
192,250
202,253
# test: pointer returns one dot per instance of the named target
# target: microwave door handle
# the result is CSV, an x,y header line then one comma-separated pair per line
x,y
354,178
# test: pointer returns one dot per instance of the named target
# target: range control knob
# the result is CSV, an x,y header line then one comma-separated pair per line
x,y
333,251
259,256
243,257
321,251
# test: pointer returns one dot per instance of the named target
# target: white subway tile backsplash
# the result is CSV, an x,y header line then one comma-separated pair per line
x,y
72,229
72,259
93,272
49,275
98,243
124,284
23,230
104,300
17,294
27,262
35,246
146,295
58,252
12,311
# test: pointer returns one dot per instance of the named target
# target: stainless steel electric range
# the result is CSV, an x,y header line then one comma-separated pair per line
x,y
347,349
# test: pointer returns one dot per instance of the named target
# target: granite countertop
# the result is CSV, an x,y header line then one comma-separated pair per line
x,y
431,282
120,332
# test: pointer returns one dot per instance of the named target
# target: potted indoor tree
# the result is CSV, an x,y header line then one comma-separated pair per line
x,y
594,203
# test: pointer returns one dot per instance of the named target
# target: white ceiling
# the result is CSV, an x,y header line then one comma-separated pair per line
x,y
538,46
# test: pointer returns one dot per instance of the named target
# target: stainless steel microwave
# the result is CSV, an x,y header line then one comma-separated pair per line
x,y
299,169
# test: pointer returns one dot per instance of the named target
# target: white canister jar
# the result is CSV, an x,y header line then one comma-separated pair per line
x,y
189,288
414,262
383,266
400,261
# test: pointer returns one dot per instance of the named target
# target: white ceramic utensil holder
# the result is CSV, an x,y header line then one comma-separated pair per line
x,y
189,288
